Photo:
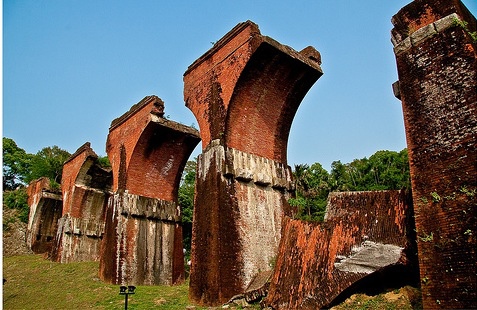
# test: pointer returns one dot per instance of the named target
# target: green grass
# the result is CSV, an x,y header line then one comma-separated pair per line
x,y
405,298
36,283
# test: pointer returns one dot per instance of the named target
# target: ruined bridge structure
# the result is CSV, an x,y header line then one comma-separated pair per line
x,y
244,93
437,68
45,210
86,187
366,244
142,243
320,263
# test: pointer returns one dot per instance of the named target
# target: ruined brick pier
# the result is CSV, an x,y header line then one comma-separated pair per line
x,y
244,93
366,241
86,188
437,66
143,231
45,210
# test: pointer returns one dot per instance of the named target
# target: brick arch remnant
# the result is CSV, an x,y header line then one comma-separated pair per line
x,y
85,187
142,242
244,93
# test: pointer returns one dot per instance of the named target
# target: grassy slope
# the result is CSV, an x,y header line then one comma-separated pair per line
x,y
36,283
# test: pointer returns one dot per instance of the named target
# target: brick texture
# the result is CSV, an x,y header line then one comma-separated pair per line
x,y
45,210
244,93
437,67
367,239
85,187
142,241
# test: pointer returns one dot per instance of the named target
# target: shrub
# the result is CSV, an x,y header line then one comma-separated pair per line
x,y
17,199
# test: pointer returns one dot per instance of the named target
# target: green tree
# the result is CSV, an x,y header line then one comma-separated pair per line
x,y
17,199
384,170
186,201
104,161
16,164
48,163
312,189
390,169
339,177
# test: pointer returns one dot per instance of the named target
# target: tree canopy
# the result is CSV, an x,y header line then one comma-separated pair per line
x,y
16,164
384,170
312,188
20,167
48,162
186,201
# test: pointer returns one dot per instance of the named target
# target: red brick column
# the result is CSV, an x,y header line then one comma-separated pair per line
x,y
143,232
86,188
244,93
437,67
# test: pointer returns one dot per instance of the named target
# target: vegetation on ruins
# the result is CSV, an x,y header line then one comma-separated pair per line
x,y
104,162
464,25
384,170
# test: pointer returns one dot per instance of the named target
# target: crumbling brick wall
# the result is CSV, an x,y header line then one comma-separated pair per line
x,y
437,68
86,188
366,237
45,210
244,93
142,242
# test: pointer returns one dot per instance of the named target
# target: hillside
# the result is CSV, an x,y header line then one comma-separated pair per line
x,y
14,234
35,283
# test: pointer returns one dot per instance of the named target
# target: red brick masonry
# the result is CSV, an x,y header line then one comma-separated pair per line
x,y
86,187
244,93
364,233
143,232
437,66
45,210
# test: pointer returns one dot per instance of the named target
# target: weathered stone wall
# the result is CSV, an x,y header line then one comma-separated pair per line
x,y
86,187
45,210
246,198
244,93
437,67
143,232
364,234
143,240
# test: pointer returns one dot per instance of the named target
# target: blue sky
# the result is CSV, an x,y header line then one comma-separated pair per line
x,y
71,67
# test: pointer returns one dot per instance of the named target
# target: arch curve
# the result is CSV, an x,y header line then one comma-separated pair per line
x,y
265,100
